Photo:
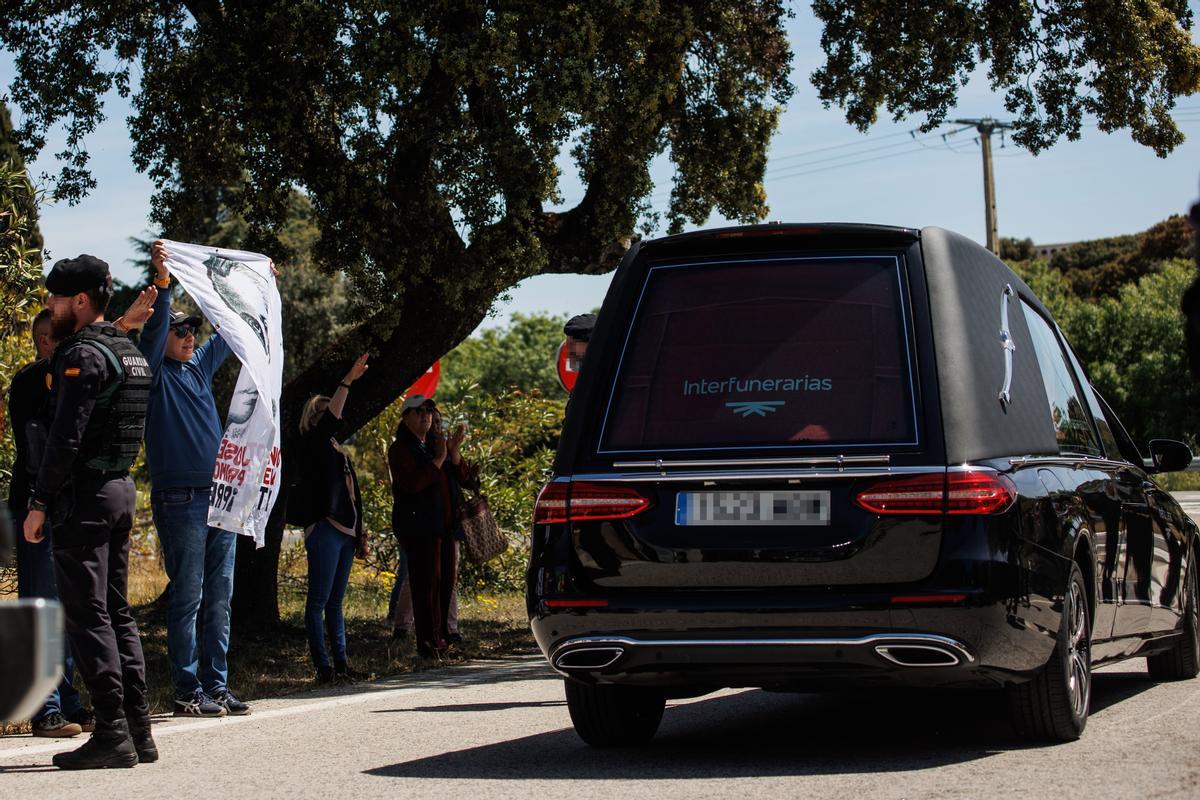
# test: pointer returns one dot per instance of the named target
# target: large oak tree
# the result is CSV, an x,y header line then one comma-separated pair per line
x,y
427,135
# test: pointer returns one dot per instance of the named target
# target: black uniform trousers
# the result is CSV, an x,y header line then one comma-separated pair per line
x,y
91,559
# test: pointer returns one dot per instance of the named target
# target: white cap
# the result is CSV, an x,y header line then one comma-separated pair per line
x,y
416,401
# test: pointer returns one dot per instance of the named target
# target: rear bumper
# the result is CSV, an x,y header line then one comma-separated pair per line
x,y
981,644
629,660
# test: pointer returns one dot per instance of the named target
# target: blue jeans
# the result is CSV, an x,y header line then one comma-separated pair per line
x,y
199,562
330,554
35,578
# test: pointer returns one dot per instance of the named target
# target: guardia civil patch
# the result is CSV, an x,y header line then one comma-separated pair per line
x,y
71,372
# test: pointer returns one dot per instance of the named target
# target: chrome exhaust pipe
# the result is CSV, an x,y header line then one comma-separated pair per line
x,y
918,655
588,658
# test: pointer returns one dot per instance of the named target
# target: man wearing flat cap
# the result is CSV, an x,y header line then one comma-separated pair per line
x,y
92,430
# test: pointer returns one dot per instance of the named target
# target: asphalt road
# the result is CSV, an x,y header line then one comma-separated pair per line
x,y
501,730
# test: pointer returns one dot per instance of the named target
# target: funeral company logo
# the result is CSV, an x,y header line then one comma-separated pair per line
x,y
756,407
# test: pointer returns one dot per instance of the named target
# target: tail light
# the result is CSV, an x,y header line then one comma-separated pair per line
x,y
965,492
587,502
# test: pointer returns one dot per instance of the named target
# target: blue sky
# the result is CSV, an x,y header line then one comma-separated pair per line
x,y
1102,185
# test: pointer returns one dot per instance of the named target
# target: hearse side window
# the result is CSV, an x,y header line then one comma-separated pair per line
x,y
1072,427
1112,448
756,354
1129,450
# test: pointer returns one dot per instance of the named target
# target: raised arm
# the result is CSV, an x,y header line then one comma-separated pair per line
x,y
153,343
338,401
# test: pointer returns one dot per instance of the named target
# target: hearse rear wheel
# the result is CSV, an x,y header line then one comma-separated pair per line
x,y
1054,705
614,716
1182,661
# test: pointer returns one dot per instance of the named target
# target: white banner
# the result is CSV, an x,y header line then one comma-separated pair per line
x,y
236,292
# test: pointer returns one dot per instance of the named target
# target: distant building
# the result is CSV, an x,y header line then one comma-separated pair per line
x,y
1045,252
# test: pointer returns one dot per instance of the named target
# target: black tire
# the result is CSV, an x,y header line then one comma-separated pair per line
x,y
614,716
1182,661
1053,707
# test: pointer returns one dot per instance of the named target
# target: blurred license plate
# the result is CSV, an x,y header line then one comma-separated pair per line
x,y
752,508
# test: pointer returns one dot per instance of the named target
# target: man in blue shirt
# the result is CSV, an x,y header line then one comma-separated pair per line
x,y
183,432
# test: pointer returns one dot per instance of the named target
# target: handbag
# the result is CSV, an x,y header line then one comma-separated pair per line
x,y
484,539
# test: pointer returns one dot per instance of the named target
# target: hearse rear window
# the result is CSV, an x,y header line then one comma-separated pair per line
x,y
798,353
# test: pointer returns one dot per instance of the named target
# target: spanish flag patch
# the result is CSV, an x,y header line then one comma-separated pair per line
x,y
71,372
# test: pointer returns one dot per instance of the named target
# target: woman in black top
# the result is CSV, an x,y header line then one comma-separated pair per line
x,y
333,531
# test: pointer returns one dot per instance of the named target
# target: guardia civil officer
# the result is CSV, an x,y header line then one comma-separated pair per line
x,y
93,423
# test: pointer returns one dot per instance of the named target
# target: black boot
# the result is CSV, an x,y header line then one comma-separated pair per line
x,y
110,746
143,742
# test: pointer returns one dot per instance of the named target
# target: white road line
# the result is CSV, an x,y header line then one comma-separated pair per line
x,y
163,730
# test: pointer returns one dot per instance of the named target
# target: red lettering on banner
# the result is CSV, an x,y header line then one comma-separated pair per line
x,y
275,456
269,476
229,473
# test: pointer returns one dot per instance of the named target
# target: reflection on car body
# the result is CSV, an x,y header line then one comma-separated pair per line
x,y
797,456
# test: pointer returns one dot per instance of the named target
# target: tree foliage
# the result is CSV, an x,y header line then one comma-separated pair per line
x,y
20,239
1124,63
1132,346
519,355
1102,267
1117,301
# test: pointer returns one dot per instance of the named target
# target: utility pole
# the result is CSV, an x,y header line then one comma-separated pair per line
x,y
985,127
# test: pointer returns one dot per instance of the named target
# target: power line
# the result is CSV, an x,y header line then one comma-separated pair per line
x,y
868,140
911,134
770,178
797,170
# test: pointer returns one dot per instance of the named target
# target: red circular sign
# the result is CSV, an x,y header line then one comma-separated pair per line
x,y
427,384
566,375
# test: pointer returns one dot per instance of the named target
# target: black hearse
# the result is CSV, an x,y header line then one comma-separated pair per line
x,y
800,456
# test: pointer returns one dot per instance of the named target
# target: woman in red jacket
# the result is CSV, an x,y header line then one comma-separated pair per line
x,y
426,465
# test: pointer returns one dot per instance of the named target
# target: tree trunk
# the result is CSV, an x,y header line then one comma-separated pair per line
x,y
256,576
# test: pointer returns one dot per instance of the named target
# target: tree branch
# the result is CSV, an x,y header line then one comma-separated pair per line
x,y
205,12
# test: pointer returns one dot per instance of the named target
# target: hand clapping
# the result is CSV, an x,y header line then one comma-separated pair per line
x,y
456,438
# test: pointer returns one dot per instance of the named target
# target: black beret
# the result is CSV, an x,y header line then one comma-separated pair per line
x,y
70,276
580,327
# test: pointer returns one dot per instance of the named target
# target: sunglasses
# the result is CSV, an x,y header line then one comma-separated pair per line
x,y
184,331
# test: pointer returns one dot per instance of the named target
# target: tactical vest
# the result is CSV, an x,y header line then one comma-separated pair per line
x,y
114,432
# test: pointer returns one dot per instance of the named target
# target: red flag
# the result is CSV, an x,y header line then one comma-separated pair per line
x,y
427,384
